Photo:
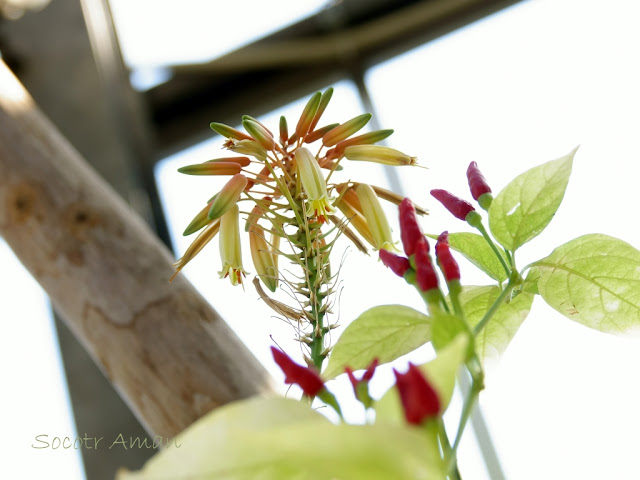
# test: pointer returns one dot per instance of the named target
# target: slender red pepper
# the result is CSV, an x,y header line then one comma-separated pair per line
x,y
447,263
478,185
426,275
458,207
410,231
398,265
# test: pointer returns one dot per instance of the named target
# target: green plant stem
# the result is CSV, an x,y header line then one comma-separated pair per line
x,y
467,408
454,474
493,246
487,316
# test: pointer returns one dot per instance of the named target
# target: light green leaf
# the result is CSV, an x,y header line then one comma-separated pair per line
x,y
594,280
474,248
440,372
280,439
526,205
496,335
386,332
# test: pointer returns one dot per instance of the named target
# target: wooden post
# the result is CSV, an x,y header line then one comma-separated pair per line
x,y
167,352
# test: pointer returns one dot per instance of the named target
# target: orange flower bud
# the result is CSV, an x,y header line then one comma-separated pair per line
x,y
228,132
259,133
309,112
211,168
345,130
228,196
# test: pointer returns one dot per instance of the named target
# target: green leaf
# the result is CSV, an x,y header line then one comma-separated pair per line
x,y
444,328
594,280
386,332
474,248
496,335
526,205
441,373
276,438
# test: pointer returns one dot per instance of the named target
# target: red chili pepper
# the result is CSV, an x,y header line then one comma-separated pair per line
x,y
398,265
410,231
305,377
447,263
458,207
419,399
477,182
425,273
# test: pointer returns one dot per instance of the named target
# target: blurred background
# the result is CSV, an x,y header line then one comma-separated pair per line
x,y
134,84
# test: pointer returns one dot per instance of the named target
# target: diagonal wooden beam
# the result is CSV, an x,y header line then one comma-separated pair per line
x,y
167,352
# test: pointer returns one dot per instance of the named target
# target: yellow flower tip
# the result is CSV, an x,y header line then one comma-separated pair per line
x,y
228,196
260,134
378,154
230,250
314,186
345,130
373,213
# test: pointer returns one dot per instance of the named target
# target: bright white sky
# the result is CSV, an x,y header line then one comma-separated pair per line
x,y
520,88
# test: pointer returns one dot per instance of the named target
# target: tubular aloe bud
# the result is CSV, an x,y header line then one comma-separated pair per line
x,y
262,257
228,132
459,208
410,231
376,219
313,184
197,245
211,168
324,101
228,196
230,250
364,139
447,263
345,130
304,123
313,136
284,130
398,265
378,154
480,190
259,133
200,220
242,161
255,120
